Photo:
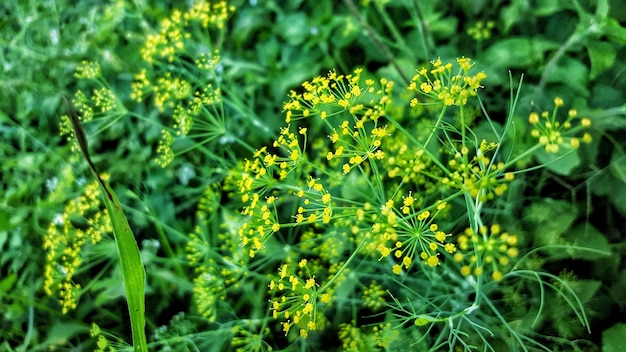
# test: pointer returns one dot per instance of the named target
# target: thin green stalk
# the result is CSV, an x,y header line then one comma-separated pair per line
x,y
574,39
414,140
495,311
463,130
439,119
370,31
423,29
166,242
343,267
397,37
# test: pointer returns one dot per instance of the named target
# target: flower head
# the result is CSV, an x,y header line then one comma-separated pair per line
x,y
489,250
440,84
555,134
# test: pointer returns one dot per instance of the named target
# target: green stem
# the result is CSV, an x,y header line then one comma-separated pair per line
x,y
166,242
398,39
423,29
571,41
414,140
370,31
343,267
524,155
439,119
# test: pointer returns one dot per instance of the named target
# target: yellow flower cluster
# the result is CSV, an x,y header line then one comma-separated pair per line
x,y
82,104
490,250
88,70
100,101
356,144
170,41
208,289
410,234
102,343
262,214
356,138
552,133
347,193
374,296
349,225
296,300
218,260
164,150
355,339
102,97
479,176
441,85
481,30
334,94
410,163
63,243
191,93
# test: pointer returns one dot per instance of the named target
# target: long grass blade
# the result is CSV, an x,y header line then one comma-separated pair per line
x,y
133,272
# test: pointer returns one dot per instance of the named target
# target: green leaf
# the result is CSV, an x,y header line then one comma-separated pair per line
x,y
588,243
517,52
587,289
611,182
613,338
133,272
615,32
617,291
444,27
602,11
616,181
551,218
510,15
5,223
605,184
572,73
61,332
561,162
605,95
7,283
602,55
293,28
548,8
618,166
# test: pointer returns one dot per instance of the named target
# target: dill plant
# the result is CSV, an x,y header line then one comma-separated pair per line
x,y
363,219
361,187
370,215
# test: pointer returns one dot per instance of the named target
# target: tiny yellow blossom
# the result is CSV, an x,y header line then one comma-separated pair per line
x,y
558,102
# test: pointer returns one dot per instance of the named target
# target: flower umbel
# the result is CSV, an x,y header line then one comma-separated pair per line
x,y
490,250
412,234
554,134
297,300
64,242
441,85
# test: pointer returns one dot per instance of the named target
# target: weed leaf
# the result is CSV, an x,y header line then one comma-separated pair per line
x,y
133,272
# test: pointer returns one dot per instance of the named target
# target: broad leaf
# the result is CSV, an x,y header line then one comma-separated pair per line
x,y
602,55
588,242
561,162
613,338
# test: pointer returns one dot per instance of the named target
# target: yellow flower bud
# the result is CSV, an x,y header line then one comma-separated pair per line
x,y
558,101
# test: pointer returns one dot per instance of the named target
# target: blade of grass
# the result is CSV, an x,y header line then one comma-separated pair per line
x,y
133,272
